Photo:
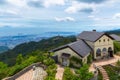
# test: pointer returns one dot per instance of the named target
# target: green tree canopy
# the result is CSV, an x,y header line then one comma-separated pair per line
x,y
84,73
19,59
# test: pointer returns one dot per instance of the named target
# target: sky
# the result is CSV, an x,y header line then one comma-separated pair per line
x,y
39,16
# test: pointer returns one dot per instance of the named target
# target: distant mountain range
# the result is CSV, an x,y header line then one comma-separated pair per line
x,y
51,34
9,42
117,31
12,41
25,44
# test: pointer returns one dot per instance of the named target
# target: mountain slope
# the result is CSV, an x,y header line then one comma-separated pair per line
x,y
44,45
3,49
117,31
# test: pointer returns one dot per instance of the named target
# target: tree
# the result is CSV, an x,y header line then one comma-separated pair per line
x,y
3,70
89,59
84,73
49,61
19,59
118,63
116,46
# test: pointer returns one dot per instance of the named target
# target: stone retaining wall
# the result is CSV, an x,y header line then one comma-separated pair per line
x,y
25,70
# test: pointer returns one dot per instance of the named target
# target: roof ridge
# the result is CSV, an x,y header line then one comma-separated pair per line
x,y
90,35
87,44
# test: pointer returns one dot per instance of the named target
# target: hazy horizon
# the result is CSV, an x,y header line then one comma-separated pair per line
x,y
40,16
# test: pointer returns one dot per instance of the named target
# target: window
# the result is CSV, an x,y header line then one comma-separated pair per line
x,y
98,52
99,40
104,50
104,40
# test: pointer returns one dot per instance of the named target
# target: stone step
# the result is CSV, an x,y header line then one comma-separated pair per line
x,y
103,72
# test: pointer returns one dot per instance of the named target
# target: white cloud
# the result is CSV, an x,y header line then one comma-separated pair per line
x,y
19,3
45,3
94,18
116,16
79,6
8,13
48,3
65,19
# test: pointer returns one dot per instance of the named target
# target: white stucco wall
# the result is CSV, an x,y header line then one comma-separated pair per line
x,y
103,44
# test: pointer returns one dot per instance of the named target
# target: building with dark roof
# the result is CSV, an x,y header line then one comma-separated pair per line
x,y
97,44
115,37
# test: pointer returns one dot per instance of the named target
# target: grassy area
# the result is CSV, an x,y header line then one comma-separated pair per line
x,y
113,72
100,77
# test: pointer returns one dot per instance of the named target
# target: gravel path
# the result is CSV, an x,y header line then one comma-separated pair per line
x,y
59,74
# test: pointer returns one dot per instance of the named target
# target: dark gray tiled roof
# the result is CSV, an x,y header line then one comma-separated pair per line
x,y
90,35
90,45
115,37
80,47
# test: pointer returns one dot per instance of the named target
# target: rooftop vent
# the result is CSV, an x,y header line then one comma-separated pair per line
x,y
94,30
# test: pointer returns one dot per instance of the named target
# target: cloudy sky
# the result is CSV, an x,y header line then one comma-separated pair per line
x,y
20,16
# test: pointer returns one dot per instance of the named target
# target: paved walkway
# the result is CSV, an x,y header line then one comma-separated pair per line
x,y
59,74
101,63
37,74
27,76
104,62
103,72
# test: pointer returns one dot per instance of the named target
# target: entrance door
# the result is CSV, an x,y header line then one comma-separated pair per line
x,y
55,58
64,62
111,53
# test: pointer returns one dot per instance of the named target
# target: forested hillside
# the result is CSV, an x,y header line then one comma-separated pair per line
x,y
117,31
26,54
25,49
3,49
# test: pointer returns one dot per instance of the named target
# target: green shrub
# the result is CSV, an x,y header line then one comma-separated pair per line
x,y
68,74
51,71
112,72
116,46
83,73
50,78
19,59
118,63
100,77
75,60
18,67
3,70
48,61
89,59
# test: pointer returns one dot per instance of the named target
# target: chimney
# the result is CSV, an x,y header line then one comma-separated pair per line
x,y
94,30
